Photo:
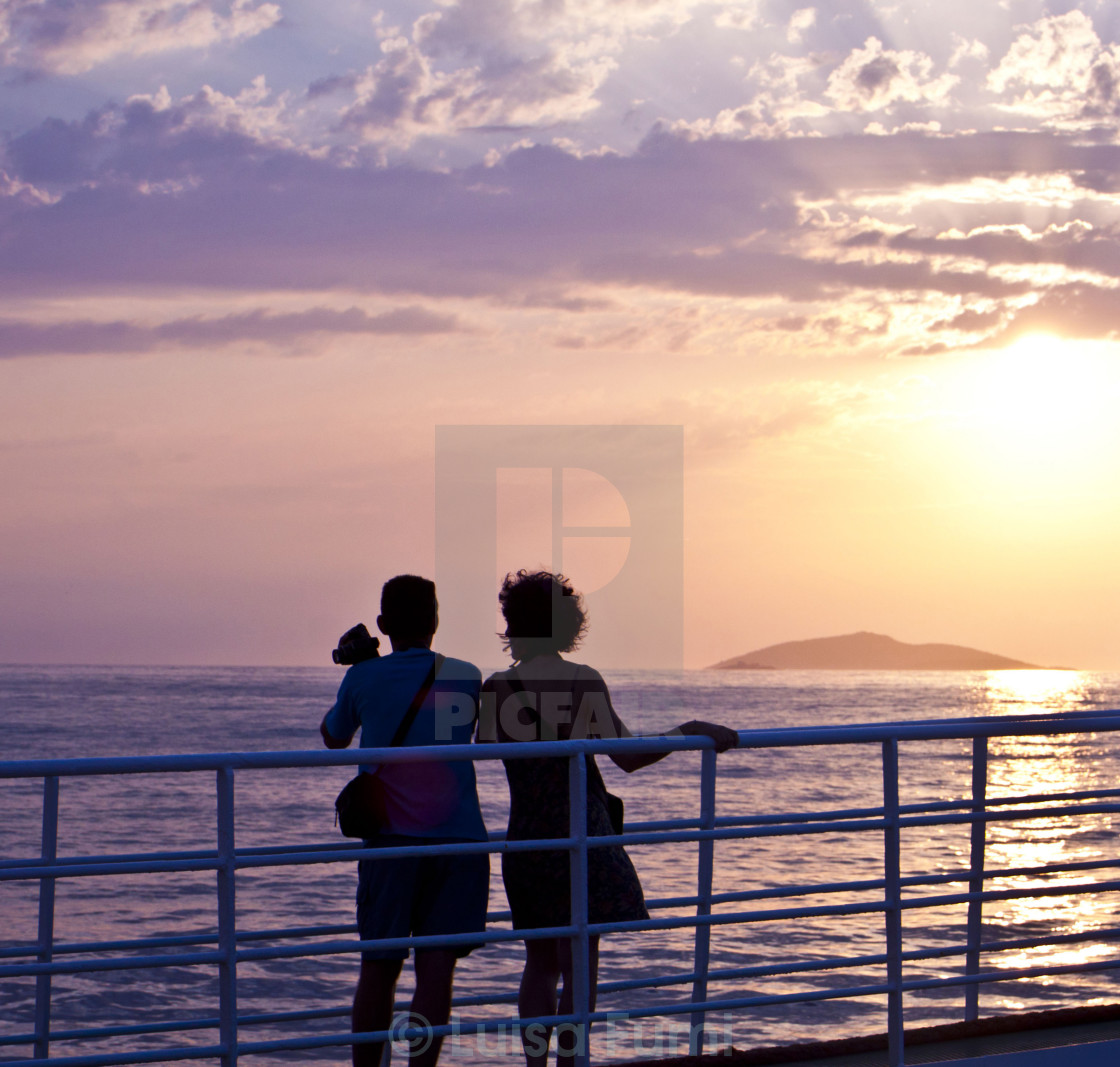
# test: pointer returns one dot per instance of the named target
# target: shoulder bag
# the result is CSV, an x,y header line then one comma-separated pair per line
x,y
359,810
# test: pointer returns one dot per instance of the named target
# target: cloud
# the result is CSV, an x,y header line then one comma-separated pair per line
x,y
1076,246
965,49
68,37
1075,311
761,274
486,65
84,337
738,16
405,95
1059,71
185,195
874,77
800,21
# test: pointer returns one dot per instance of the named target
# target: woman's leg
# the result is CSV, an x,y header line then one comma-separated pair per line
x,y
568,1037
537,996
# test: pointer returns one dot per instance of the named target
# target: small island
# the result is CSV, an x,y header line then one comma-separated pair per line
x,y
865,651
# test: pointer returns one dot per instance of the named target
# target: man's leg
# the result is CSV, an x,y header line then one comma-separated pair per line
x,y
431,1003
373,1007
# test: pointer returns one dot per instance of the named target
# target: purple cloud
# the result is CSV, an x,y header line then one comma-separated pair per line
x,y
74,36
82,337
176,196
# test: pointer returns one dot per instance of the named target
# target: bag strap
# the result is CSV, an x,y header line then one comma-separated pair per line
x,y
522,688
417,700
595,783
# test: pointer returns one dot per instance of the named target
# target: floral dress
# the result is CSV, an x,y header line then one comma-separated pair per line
x,y
570,701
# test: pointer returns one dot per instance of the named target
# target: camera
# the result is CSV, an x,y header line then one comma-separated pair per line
x,y
356,645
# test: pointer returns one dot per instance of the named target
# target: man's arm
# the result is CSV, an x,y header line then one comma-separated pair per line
x,y
341,722
329,740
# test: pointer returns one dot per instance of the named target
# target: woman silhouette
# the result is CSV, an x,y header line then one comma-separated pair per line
x,y
544,697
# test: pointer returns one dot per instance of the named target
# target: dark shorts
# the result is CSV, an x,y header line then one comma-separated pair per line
x,y
421,896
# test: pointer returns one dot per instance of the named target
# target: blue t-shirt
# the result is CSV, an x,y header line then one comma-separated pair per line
x,y
429,799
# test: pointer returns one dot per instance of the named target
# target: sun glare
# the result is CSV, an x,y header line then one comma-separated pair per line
x,y
1042,406
1034,690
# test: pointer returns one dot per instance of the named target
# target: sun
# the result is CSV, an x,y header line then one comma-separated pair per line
x,y
1043,405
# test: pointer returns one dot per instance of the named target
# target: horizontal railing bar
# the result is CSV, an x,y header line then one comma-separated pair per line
x,y
1007,816
69,869
136,1030
729,1004
771,914
114,963
904,809
113,1059
287,759
66,869
1031,798
499,1025
79,947
715,975
1078,889
1010,945
490,937
1016,975
126,857
723,822
758,971
685,1007
498,936
779,892
944,729
140,1029
727,821
557,843
993,873
606,988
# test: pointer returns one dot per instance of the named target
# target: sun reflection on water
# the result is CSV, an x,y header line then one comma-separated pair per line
x,y
1018,691
1031,766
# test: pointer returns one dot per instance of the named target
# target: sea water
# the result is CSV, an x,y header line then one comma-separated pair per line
x,y
112,711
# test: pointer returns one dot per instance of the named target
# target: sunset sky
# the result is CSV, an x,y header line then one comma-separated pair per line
x,y
254,252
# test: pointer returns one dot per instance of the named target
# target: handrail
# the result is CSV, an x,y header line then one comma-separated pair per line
x,y
891,895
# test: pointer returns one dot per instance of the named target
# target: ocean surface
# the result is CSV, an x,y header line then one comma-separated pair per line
x,y
108,711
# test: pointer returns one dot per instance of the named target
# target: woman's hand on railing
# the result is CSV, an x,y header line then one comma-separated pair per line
x,y
723,736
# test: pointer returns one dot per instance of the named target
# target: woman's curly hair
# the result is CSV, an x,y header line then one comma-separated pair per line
x,y
543,612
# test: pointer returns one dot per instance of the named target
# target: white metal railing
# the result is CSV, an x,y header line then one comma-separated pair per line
x,y
228,947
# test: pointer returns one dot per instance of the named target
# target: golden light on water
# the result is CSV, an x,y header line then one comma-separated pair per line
x,y
1030,766
1022,691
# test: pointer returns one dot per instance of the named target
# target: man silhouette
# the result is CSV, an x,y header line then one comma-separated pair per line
x,y
423,802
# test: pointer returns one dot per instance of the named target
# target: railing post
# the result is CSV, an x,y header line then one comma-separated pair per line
x,y
581,969
227,921
976,873
893,899
704,865
46,918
